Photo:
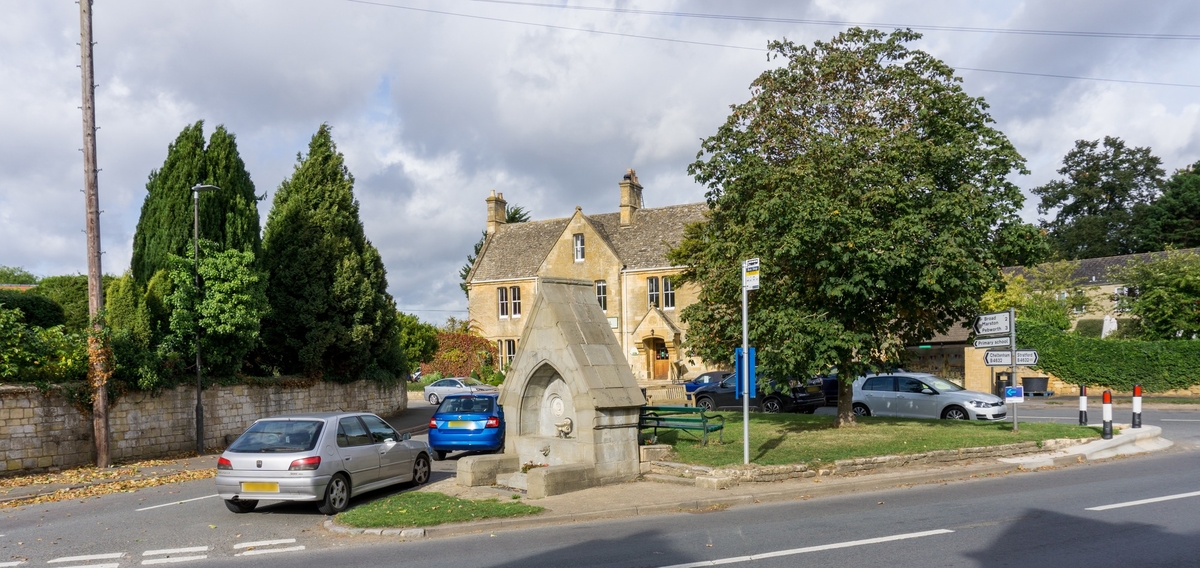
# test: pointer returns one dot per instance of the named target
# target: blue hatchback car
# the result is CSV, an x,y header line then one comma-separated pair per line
x,y
472,422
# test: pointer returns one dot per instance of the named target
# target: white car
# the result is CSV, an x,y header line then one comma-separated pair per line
x,y
921,395
440,389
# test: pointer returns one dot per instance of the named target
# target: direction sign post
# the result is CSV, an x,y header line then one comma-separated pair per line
x,y
1012,346
749,282
992,342
998,323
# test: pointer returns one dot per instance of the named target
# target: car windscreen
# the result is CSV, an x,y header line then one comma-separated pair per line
x,y
267,436
941,385
466,404
472,383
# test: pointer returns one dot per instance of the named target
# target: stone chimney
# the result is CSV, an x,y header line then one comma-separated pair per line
x,y
497,212
631,197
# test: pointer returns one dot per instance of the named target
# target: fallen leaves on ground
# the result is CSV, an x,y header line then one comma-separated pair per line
x,y
92,481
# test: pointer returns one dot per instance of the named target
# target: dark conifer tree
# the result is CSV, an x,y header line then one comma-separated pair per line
x,y
330,313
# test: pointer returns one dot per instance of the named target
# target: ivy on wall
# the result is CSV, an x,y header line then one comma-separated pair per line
x,y
1158,366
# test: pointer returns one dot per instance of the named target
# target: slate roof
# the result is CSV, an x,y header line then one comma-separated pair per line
x,y
1095,271
516,250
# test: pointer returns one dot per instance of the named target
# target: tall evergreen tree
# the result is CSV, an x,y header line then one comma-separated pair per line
x,y
330,313
228,217
165,226
1174,219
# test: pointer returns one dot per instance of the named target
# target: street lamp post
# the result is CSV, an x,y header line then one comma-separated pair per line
x,y
196,191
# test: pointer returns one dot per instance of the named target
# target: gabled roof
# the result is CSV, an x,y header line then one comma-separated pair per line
x,y
516,250
1095,271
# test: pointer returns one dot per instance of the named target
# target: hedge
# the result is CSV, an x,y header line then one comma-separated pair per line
x,y
1158,366
38,311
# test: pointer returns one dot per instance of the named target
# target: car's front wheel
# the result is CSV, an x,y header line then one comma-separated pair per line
x,y
955,413
861,409
421,470
240,506
705,403
433,398
771,405
337,495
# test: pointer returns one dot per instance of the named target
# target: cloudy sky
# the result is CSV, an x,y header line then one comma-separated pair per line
x,y
435,103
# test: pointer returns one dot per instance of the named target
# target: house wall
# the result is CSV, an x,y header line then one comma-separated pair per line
x,y
40,432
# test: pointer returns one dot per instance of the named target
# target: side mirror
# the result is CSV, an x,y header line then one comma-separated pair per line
x,y
927,391
405,436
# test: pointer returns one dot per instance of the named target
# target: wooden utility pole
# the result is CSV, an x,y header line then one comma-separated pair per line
x,y
98,352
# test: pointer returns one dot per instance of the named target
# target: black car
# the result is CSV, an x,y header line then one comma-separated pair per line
x,y
723,395
829,387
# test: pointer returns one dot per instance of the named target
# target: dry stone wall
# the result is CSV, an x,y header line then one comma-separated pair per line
x,y
40,432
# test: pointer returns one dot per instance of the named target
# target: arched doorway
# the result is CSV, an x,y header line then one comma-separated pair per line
x,y
658,359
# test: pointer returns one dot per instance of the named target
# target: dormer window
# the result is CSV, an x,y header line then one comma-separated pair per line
x,y
578,247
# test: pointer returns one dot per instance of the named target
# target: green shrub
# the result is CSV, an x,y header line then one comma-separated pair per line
x,y
39,355
39,311
1158,366
1089,328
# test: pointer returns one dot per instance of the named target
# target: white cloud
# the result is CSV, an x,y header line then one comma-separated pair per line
x,y
434,111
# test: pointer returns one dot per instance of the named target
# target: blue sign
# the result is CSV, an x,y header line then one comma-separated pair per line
x,y
1014,394
737,368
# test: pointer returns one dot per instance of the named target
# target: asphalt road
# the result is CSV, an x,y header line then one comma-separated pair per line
x,y
1028,519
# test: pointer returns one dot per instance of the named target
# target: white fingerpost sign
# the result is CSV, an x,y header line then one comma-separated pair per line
x,y
993,324
992,342
750,274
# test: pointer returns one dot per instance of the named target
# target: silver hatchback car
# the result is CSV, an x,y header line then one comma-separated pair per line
x,y
325,457
921,395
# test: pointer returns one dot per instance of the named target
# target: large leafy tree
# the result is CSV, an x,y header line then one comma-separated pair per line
x,y
1095,201
228,217
16,275
514,214
330,312
874,191
1172,221
419,340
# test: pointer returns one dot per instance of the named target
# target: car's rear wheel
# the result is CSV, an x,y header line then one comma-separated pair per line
x,y
240,506
955,413
861,409
433,398
439,455
421,470
705,403
771,405
337,495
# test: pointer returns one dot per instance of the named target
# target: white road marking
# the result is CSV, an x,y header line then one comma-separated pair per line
x,y
176,503
9,564
88,557
1161,419
792,551
1143,501
258,543
176,550
173,559
108,565
270,550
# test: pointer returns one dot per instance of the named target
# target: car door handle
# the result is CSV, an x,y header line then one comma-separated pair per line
x,y
347,459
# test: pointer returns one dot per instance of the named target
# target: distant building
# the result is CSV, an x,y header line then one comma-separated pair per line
x,y
18,287
624,255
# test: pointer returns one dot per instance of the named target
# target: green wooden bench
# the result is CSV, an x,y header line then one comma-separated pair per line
x,y
689,419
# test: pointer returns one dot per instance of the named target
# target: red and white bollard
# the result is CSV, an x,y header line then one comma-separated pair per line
x,y
1137,406
1083,405
1106,432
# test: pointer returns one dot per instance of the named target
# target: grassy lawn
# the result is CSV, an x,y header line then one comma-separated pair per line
x,y
802,438
428,508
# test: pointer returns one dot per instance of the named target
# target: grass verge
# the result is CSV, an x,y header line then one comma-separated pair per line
x,y
429,508
800,438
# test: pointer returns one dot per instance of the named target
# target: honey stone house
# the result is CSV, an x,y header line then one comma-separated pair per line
x,y
623,254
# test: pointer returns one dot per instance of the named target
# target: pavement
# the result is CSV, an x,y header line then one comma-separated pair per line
x,y
636,498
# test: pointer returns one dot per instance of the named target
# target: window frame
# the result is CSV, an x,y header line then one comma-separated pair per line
x,y
510,351
668,293
652,294
580,251
601,288
514,300
502,298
